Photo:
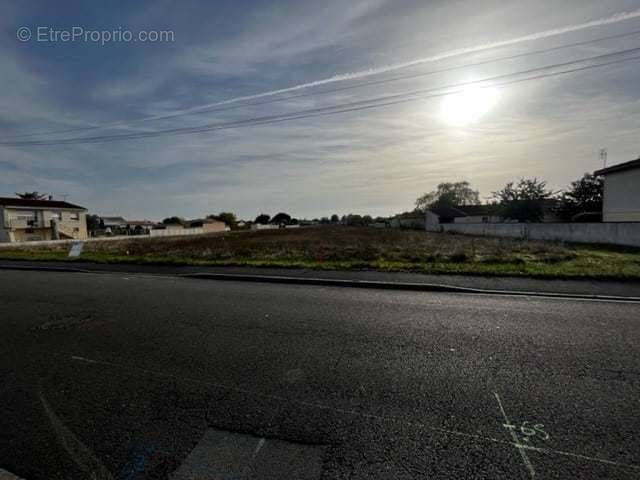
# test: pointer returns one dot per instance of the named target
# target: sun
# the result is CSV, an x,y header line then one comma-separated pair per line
x,y
468,106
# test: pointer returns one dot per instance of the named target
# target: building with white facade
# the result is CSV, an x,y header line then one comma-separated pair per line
x,y
621,202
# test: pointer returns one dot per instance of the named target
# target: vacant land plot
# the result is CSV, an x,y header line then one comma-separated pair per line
x,y
339,247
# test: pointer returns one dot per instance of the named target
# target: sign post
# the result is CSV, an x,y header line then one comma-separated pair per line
x,y
76,249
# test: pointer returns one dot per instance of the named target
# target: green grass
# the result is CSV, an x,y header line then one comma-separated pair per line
x,y
344,248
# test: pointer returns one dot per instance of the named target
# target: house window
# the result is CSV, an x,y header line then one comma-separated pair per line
x,y
74,216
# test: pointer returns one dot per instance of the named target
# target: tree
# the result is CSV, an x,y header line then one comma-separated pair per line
x,y
353,220
325,220
523,201
583,196
281,218
449,194
226,217
94,222
262,219
172,221
335,218
32,195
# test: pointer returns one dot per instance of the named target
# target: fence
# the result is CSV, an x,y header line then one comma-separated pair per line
x,y
623,233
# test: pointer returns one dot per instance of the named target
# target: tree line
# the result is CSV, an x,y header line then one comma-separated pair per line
x,y
526,199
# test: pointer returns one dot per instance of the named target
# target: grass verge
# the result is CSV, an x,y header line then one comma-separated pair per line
x,y
346,248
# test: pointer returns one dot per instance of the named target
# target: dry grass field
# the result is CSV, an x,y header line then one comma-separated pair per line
x,y
339,247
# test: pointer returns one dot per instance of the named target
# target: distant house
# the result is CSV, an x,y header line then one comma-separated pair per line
x,y
142,226
169,226
621,201
114,222
380,224
407,221
481,214
208,225
188,227
462,214
25,220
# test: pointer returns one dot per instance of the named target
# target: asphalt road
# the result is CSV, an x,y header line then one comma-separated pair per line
x,y
118,376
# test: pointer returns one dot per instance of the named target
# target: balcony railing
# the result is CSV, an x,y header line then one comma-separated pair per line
x,y
25,223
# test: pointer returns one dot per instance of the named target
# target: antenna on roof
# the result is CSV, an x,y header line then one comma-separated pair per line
x,y
603,156
64,196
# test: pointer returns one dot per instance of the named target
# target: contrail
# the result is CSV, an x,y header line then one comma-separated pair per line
x,y
613,19
616,18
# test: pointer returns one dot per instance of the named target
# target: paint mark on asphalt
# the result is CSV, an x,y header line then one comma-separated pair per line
x,y
78,451
4,475
250,466
261,443
516,440
128,369
225,455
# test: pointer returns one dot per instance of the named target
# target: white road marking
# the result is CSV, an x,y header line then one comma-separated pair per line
x,y
354,413
249,467
259,446
4,475
78,451
516,440
225,455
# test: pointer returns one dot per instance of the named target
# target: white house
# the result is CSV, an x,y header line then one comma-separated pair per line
x,y
25,220
621,201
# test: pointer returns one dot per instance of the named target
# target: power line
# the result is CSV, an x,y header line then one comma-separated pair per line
x,y
349,107
346,107
204,110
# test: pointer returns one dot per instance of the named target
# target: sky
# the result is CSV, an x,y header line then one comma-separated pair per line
x,y
254,59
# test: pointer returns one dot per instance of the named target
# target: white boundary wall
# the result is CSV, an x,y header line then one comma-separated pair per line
x,y
622,233
165,233
176,232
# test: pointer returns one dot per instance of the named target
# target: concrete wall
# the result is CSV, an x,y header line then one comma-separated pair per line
x,y
9,246
432,222
477,219
410,223
35,235
623,233
4,234
214,227
622,196
176,232
268,226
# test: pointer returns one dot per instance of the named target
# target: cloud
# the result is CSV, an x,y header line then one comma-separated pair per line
x,y
616,18
377,162
245,55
